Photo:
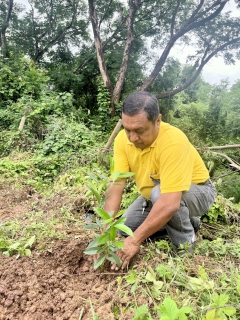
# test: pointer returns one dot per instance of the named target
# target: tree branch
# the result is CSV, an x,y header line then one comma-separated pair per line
x,y
58,37
203,63
185,28
174,18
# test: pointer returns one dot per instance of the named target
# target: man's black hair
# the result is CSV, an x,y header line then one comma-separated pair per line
x,y
140,101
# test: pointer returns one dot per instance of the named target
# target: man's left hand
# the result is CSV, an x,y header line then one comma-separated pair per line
x,y
131,247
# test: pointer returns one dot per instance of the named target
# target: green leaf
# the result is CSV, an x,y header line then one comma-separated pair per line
x,y
99,261
115,259
211,315
27,252
30,242
229,311
238,286
111,166
94,242
119,244
6,253
157,285
91,250
120,213
102,213
140,312
113,233
99,222
169,309
150,277
202,273
103,239
219,300
131,277
90,226
14,246
126,174
115,175
111,213
93,189
120,220
125,229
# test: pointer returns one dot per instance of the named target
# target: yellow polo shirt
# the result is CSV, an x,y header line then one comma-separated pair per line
x,y
171,158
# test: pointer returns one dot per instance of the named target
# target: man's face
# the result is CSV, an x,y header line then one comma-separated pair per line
x,y
140,131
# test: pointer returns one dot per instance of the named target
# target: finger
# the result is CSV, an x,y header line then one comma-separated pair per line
x,y
113,266
125,263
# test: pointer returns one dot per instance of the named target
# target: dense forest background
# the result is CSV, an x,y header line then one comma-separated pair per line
x,y
67,65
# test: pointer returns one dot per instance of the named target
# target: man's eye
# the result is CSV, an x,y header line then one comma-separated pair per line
x,y
141,132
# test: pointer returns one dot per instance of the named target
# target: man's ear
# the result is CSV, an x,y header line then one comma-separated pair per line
x,y
159,119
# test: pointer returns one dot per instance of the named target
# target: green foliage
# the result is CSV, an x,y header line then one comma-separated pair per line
x,y
9,168
106,244
220,309
141,313
229,187
170,311
16,141
18,78
219,247
9,246
67,135
38,112
222,210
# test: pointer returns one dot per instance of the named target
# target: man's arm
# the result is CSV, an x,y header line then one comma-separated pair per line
x,y
114,196
158,217
160,214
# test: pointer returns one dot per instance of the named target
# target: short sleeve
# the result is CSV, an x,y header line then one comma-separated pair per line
x,y
176,167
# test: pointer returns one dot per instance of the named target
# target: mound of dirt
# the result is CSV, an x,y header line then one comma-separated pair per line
x,y
55,284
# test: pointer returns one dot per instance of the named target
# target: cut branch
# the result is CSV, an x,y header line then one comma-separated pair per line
x,y
231,146
232,163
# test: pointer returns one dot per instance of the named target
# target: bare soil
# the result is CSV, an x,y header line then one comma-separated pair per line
x,y
58,283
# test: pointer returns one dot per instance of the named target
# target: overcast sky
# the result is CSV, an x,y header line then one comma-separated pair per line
x,y
215,70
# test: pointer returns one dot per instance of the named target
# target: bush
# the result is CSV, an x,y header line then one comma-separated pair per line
x,y
67,135
20,77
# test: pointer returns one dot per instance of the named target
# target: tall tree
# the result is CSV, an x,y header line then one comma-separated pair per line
x,y
167,23
51,24
6,12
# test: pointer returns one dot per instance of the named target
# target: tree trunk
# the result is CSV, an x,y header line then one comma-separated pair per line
x,y
99,49
133,6
115,92
4,49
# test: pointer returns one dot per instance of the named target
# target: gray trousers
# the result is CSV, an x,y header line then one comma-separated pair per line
x,y
180,228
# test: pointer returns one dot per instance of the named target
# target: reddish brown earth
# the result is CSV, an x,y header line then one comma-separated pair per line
x,y
58,283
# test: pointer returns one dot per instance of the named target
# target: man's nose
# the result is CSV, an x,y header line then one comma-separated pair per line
x,y
133,137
